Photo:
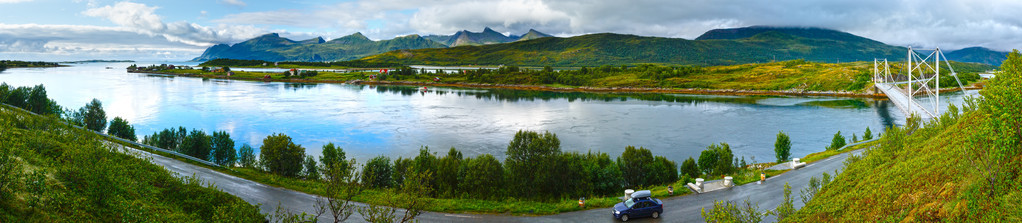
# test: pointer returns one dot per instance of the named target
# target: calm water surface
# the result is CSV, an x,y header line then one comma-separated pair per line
x,y
395,120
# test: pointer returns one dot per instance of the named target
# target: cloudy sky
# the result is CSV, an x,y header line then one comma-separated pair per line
x,y
182,29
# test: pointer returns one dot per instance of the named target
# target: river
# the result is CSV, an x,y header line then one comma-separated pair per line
x,y
396,120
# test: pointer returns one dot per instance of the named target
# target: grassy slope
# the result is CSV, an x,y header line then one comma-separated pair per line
x,y
618,49
65,174
936,173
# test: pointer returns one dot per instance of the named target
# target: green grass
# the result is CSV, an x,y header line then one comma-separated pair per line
x,y
65,174
828,153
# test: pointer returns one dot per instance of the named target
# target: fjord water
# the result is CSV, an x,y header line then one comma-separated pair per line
x,y
396,120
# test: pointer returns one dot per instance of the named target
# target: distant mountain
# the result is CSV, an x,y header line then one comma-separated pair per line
x,y
717,47
532,34
272,47
488,36
977,55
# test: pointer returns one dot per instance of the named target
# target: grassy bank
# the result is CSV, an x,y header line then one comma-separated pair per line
x,y
960,167
52,172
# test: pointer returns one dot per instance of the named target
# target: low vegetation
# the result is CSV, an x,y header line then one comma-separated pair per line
x,y
53,172
960,167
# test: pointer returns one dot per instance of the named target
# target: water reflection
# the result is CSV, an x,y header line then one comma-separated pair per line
x,y
369,120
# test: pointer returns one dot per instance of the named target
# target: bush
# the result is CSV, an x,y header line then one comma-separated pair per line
x,y
121,129
279,155
377,172
868,135
402,167
689,168
782,147
837,142
663,171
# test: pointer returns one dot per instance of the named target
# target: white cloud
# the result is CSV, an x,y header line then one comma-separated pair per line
x,y
238,3
143,19
13,1
50,42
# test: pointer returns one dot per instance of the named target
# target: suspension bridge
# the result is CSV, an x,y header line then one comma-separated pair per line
x,y
919,83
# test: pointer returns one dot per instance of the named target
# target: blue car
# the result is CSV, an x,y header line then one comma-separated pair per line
x,y
640,205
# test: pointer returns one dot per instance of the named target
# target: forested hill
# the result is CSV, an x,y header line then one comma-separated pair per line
x,y
272,47
618,49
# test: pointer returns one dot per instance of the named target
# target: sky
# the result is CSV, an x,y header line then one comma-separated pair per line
x,y
60,30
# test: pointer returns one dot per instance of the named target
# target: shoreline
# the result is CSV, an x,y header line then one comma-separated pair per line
x,y
730,92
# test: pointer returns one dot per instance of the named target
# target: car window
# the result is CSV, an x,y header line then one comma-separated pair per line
x,y
629,203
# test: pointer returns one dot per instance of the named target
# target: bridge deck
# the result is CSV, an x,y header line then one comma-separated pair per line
x,y
901,100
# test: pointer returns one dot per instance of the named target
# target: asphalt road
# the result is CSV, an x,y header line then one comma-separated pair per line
x,y
677,209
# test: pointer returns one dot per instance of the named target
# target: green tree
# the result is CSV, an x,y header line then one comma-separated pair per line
x,y
402,167
425,163
663,171
484,177
197,144
530,163
311,169
717,159
121,129
94,117
448,172
279,155
377,172
635,166
223,149
868,135
333,158
39,103
246,156
837,142
782,147
689,168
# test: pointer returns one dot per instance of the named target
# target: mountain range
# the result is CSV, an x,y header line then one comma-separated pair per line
x,y
715,47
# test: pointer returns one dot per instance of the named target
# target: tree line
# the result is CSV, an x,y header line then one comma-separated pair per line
x,y
91,116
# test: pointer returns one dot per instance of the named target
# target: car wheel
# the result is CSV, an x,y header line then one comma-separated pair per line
x,y
656,214
624,217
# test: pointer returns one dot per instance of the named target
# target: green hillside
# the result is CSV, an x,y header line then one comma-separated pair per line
x,y
618,49
272,47
53,172
977,55
963,167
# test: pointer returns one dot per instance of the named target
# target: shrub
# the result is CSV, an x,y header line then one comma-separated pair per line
x,y
782,147
868,135
279,155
